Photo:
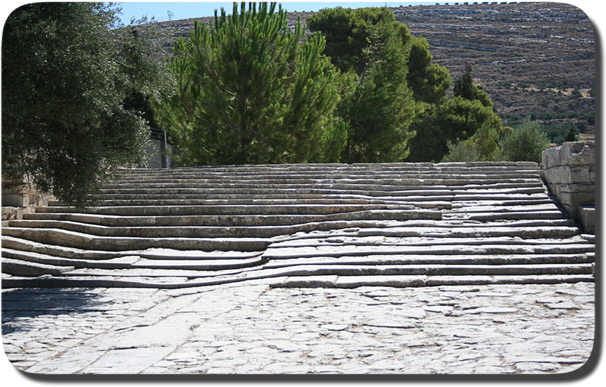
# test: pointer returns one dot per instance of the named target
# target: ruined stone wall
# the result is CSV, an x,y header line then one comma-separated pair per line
x,y
569,173
21,197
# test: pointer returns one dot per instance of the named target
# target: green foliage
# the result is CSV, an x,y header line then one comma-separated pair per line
x,y
465,88
66,74
349,39
461,152
381,108
456,119
467,116
525,143
348,34
429,81
394,77
250,90
573,133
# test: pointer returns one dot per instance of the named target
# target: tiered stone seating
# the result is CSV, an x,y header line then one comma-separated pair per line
x,y
304,225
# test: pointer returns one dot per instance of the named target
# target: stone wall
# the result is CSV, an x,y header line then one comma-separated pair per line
x,y
569,173
20,197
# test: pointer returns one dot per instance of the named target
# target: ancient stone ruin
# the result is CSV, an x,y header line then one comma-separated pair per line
x,y
310,225
569,172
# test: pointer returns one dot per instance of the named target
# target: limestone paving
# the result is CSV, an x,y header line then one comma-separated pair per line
x,y
253,327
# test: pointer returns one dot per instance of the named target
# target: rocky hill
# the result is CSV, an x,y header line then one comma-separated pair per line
x,y
534,59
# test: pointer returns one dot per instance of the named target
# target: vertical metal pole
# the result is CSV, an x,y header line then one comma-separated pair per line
x,y
165,159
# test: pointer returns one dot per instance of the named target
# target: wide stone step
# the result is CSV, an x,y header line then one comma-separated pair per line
x,y
510,215
325,173
487,249
402,281
22,268
273,169
58,251
420,259
425,180
218,220
202,199
329,281
272,231
334,225
399,185
187,231
132,263
469,192
188,210
87,241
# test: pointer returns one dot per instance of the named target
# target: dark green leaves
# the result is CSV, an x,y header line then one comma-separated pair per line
x,y
251,90
65,78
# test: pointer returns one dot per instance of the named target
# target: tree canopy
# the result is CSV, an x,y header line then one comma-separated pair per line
x,y
467,117
391,72
67,70
251,90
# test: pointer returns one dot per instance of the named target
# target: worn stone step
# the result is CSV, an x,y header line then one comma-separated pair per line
x,y
202,199
442,192
22,268
505,229
331,281
378,259
472,207
530,185
352,239
57,251
221,220
401,182
333,173
486,249
16,243
336,168
510,215
135,263
418,281
187,210
123,262
272,231
351,270
87,241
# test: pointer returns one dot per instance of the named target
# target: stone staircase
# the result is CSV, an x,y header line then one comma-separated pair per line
x,y
304,225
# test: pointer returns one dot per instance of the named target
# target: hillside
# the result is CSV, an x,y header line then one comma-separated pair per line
x,y
534,59
531,58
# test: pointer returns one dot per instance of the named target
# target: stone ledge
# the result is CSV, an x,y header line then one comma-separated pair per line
x,y
569,173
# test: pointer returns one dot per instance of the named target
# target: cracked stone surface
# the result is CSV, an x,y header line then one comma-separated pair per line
x,y
253,328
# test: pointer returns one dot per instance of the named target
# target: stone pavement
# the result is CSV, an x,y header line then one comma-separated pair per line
x,y
254,328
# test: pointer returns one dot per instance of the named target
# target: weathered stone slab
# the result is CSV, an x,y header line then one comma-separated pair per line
x,y
588,219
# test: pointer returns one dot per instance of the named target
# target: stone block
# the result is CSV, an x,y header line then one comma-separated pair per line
x,y
15,200
568,174
588,219
569,153
579,153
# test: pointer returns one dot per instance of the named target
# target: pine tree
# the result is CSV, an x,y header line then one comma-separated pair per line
x,y
251,90
392,73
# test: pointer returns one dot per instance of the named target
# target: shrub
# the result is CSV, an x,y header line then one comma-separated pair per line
x,y
525,143
462,151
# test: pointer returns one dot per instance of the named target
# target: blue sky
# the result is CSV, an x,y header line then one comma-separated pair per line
x,y
185,10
